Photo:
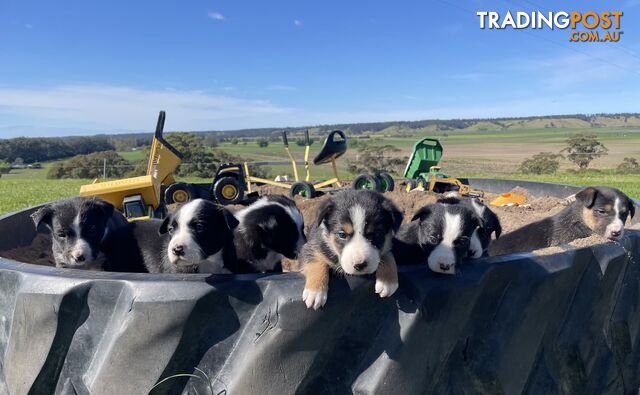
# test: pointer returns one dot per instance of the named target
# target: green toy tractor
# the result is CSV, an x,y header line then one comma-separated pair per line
x,y
422,171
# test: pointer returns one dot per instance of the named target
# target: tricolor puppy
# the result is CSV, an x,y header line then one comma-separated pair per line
x,y
488,224
200,239
79,227
438,234
352,234
596,210
269,229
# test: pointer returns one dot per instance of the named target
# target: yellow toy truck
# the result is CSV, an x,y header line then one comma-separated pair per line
x,y
140,197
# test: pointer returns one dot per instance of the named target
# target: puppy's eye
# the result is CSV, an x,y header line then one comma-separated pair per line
x,y
433,239
199,227
61,234
342,235
170,229
600,211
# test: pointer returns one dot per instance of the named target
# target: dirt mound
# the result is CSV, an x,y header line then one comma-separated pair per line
x,y
38,252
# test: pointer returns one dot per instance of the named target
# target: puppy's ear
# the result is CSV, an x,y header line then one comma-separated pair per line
x,y
230,219
324,210
43,215
632,207
587,196
107,208
493,223
164,227
395,213
421,214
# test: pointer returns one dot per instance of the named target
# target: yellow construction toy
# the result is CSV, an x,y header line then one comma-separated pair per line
x,y
140,197
234,179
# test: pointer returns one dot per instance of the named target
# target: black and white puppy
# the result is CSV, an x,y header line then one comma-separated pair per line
x,y
269,229
79,228
488,224
352,234
199,239
438,234
596,210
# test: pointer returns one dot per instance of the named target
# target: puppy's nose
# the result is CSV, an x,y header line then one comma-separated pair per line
x,y
615,233
360,266
178,250
78,257
445,266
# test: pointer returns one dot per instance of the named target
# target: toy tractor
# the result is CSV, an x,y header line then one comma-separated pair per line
x,y
234,179
140,197
422,171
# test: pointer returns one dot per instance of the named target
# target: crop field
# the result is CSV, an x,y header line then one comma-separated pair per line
x,y
470,153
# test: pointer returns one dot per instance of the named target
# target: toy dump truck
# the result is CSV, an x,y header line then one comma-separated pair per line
x,y
141,197
422,171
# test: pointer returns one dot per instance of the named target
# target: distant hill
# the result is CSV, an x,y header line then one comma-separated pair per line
x,y
40,149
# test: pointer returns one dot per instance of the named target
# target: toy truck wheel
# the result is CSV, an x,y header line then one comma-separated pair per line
x,y
303,189
366,181
411,184
386,182
228,190
179,192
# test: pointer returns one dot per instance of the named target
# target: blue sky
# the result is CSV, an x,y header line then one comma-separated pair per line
x,y
83,67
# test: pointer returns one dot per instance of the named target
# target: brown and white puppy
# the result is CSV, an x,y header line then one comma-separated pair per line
x,y
596,210
352,235
79,227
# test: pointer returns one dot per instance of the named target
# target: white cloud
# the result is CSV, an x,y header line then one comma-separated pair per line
x,y
215,15
281,88
120,108
297,22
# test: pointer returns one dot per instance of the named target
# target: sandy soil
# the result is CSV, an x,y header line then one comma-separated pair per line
x,y
39,252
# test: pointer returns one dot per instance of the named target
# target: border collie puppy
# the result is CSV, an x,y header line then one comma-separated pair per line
x,y
489,223
596,210
352,234
198,237
79,227
269,229
438,234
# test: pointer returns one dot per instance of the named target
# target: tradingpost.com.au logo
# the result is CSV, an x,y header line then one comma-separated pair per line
x,y
583,24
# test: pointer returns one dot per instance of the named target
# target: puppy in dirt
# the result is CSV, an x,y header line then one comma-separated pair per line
x,y
352,235
596,210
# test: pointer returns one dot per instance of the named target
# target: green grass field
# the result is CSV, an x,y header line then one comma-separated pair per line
x,y
476,153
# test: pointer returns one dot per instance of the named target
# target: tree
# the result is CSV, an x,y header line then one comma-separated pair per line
x,y
263,143
374,159
90,166
583,148
629,166
5,167
542,163
303,142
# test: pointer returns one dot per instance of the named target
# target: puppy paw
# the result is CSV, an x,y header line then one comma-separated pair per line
x,y
385,289
314,299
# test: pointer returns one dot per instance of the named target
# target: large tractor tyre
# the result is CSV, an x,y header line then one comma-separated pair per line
x,y
411,184
180,193
228,190
366,181
303,189
386,182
